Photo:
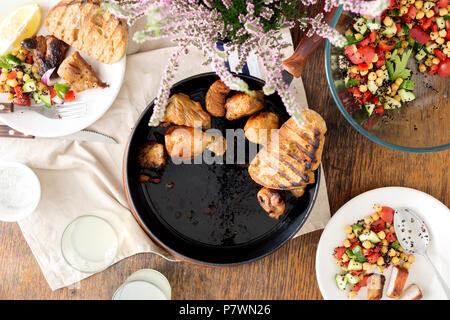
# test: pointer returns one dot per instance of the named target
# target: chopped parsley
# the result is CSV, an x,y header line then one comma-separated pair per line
x,y
397,67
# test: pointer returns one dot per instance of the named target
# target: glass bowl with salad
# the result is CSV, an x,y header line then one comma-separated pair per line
x,y
391,81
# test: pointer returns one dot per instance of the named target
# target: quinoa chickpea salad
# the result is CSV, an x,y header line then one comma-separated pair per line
x,y
370,246
377,52
21,82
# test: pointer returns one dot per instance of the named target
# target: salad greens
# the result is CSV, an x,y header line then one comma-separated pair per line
x,y
397,67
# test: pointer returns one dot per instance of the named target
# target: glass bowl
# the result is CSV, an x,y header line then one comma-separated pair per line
x,y
418,126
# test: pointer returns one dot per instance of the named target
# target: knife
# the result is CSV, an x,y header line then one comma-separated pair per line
x,y
83,135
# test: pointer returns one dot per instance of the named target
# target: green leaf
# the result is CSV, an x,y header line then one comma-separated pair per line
x,y
61,89
397,67
351,40
5,64
351,83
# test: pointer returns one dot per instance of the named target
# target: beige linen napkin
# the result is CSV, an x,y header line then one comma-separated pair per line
x,y
79,178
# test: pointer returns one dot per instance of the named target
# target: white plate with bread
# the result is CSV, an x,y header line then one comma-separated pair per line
x,y
435,215
100,39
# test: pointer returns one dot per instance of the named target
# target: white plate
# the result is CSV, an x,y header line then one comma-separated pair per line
x,y
98,101
436,216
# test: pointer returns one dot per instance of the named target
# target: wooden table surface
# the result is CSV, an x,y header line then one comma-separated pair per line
x,y
352,164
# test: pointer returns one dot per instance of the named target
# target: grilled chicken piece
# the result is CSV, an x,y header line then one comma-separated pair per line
x,y
413,292
258,128
47,51
397,282
215,98
289,164
298,192
375,285
152,155
87,27
183,111
272,201
242,104
184,143
79,74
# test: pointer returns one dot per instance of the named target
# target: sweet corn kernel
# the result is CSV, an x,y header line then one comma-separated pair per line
x,y
348,229
403,10
443,12
354,69
359,36
420,15
442,33
41,86
347,243
400,249
428,62
418,4
403,256
370,66
375,216
404,44
406,265
348,33
12,83
422,68
436,60
394,87
392,252
446,51
440,40
384,249
3,77
10,96
379,82
395,261
392,229
352,294
387,55
397,97
363,73
26,77
351,235
366,266
380,261
375,57
19,75
344,257
388,21
372,76
411,258
400,50
434,35
34,69
429,13
380,74
21,56
363,88
398,81
411,1
381,235
367,244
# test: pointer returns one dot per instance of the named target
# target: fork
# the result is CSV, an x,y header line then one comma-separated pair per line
x,y
64,111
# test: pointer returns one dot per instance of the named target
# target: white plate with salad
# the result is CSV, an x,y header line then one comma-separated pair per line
x,y
97,101
333,281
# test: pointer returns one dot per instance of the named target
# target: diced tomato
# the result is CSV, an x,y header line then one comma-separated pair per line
x,y
70,96
52,92
394,4
374,100
377,248
373,36
352,54
366,252
419,35
22,101
367,53
29,58
386,45
357,243
366,96
338,252
434,27
363,282
365,42
363,66
355,76
438,53
442,3
356,272
378,225
372,258
387,214
356,288
355,91
412,12
390,237
447,37
18,91
425,23
12,75
444,68
379,110
434,68
399,27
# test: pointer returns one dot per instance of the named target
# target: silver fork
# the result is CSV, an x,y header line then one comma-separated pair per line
x,y
64,111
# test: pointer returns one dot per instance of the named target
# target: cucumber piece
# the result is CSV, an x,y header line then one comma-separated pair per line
x,y
370,236
428,5
360,116
357,228
359,256
420,55
404,31
352,279
13,59
389,31
406,95
354,265
29,86
350,254
360,25
440,22
341,282
391,103
369,107
27,68
373,25
430,48
45,98
407,85
36,98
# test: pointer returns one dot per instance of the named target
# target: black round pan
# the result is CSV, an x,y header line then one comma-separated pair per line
x,y
209,214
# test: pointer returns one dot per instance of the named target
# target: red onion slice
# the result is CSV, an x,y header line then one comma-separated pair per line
x,y
46,77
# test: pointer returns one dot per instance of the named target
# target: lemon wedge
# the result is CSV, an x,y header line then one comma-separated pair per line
x,y
21,23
